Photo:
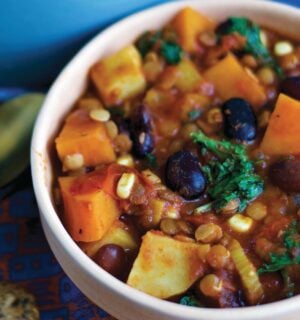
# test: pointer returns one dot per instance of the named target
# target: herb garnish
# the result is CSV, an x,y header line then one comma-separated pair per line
x,y
147,41
231,175
116,111
278,261
194,114
152,160
254,45
170,50
190,300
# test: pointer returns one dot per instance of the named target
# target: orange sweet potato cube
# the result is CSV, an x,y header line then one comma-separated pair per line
x,y
283,132
81,134
88,212
188,24
231,80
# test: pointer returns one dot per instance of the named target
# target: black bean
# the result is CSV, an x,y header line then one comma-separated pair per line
x,y
111,258
184,175
291,87
239,120
286,174
141,132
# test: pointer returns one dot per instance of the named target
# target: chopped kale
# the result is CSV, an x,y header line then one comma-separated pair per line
x,y
254,45
231,175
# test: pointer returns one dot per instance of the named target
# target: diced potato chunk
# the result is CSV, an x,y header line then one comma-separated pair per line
x,y
89,212
119,76
188,24
283,132
185,76
166,267
118,234
82,135
232,80
188,76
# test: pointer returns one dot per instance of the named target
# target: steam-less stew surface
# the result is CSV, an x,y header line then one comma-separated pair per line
x,y
179,166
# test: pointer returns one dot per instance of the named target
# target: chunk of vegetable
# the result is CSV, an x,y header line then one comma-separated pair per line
x,y
119,76
118,234
247,271
184,76
232,80
188,24
166,267
82,135
88,212
283,132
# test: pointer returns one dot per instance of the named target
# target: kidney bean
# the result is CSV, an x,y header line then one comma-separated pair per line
x,y
286,175
111,258
141,132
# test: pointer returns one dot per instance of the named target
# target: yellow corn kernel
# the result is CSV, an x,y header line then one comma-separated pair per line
x,y
73,161
126,160
101,115
171,213
240,223
125,185
283,48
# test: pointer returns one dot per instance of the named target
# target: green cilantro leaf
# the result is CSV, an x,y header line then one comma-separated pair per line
x,y
231,176
190,300
116,111
171,51
152,160
147,41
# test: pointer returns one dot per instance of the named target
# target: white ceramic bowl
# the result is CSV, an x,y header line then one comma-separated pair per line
x,y
115,297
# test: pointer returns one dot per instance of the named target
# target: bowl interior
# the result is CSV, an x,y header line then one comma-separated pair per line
x,y
66,90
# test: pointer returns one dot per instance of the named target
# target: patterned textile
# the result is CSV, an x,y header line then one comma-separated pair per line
x,y
26,259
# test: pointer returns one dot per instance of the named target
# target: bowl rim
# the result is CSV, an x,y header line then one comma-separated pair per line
x,y
51,218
